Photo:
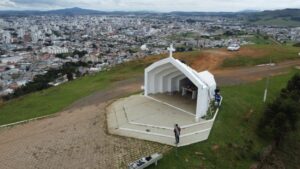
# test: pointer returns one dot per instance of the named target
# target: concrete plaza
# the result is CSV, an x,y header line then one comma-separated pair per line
x,y
153,118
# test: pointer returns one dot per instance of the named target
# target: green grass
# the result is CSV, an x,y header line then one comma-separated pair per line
x,y
234,127
277,53
287,22
260,40
55,99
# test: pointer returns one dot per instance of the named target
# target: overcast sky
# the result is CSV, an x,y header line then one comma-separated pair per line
x,y
151,5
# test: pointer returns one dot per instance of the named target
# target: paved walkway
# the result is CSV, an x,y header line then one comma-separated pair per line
x,y
142,117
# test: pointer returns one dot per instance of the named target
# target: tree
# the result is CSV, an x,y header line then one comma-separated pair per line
x,y
297,44
79,53
281,117
266,37
62,55
29,48
180,49
70,76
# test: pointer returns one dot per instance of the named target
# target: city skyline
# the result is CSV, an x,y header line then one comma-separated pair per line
x,y
151,5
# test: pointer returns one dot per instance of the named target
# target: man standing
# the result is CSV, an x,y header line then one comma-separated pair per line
x,y
218,97
177,130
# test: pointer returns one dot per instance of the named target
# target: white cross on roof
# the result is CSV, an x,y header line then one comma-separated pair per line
x,y
171,50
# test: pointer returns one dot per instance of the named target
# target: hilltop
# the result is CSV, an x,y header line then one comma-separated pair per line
x,y
210,59
77,121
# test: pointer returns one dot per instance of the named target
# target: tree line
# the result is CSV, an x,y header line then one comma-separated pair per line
x,y
80,54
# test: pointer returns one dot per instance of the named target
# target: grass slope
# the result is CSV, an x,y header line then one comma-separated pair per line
x,y
285,17
229,144
284,21
260,40
55,99
277,53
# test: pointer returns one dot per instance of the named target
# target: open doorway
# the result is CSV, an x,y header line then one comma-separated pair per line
x,y
182,96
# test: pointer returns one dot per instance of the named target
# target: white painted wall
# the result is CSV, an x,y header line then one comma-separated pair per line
x,y
165,76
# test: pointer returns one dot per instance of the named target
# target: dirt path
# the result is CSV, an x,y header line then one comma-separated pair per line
x,y
77,138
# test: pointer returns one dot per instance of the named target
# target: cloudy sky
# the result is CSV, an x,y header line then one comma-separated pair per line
x,y
151,5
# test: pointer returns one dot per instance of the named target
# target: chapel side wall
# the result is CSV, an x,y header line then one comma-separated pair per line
x,y
146,85
177,82
202,103
162,79
170,84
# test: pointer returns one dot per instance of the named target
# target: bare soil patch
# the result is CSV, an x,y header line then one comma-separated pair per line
x,y
210,59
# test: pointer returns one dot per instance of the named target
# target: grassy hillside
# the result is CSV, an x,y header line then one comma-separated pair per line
x,y
57,98
233,142
262,55
261,40
283,21
286,17
54,99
